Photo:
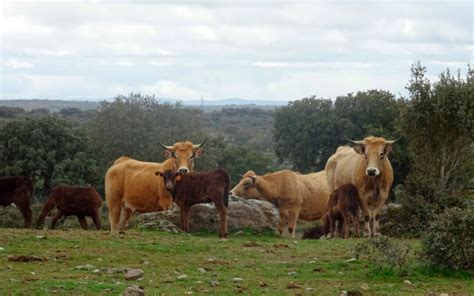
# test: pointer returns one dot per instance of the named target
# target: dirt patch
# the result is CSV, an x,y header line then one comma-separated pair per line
x,y
25,258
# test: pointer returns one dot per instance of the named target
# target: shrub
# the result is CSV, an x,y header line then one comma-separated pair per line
x,y
384,253
449,242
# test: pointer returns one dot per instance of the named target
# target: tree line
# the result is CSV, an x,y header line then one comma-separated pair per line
x,y
433,161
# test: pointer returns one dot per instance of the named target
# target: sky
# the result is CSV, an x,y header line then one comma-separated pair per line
x,y
268,50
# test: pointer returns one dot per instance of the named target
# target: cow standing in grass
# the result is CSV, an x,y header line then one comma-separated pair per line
x,y
367,167
195,188
17,190
72,200
131,185
296,196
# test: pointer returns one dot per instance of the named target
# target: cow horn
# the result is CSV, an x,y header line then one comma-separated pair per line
x,y
167,147
199,145
354,142
393,141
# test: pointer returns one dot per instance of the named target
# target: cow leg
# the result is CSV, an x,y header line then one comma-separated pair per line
x,y
345,224
222,218
332,226
96,218
125,217
366,213
184,210
355,221
115,210
25,211
82,221
58,216
283,220
376,217
292,219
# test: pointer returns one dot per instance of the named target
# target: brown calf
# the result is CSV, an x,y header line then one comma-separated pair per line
x,y
72,200
17,190
343,205
194,188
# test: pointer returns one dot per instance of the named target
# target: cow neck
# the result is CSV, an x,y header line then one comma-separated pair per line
x,y
373,184
264,187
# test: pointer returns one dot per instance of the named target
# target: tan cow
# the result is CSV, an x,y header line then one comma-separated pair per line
x,y
131,185
367,167
296,196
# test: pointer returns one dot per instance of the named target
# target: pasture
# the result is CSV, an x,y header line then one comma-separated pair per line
x,y
180,264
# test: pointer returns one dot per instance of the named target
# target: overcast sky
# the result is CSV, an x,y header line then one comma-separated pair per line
x,y
275,50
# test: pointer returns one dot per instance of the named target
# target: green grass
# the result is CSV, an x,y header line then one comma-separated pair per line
x,y
263,265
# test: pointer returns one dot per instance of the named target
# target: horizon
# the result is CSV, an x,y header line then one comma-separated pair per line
x,y
278,51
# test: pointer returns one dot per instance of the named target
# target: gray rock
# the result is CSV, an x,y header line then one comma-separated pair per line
x,y
242,213
158,224
134,291
133,274
85,267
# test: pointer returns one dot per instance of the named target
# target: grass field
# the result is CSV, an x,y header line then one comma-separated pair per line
x,y
265,263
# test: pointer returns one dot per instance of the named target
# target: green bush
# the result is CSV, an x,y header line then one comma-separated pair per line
x,y
449,241
384,253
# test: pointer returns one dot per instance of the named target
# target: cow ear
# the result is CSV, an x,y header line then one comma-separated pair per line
x,y
158,173
388,148
198,152
168,154
360,148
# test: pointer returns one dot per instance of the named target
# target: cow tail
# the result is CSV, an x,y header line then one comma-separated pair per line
x,y
226,189
48,206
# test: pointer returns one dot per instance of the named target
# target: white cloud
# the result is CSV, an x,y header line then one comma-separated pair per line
x,y
18,64
170,89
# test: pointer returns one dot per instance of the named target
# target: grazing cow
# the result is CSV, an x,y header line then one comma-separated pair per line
x,y
17,190
131,186
72,200
343,202
296,196
194,188
367,167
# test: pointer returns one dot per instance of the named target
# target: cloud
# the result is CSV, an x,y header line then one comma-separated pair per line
x,y
18,64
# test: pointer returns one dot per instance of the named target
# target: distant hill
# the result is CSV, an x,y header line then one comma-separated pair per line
x,y
209,105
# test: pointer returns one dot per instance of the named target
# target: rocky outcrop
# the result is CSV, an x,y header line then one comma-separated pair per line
x,y
242,213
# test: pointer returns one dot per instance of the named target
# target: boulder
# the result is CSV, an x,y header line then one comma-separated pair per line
x,y
242,213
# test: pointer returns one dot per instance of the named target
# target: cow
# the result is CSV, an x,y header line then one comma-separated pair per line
x,y
81,201
343,206
17,190
295,195
367,166
195,188
131,185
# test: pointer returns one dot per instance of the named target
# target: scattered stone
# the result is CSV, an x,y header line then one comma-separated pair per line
x,y
133,274
134,291
96,271
240,232
182,277
262,284
364,287
85,267
293,285
312,261
27,258
309,289
40,237
407,283
292,273
237,280
295,242
214,283
117,270
443,294
343,293
351,260
340,272
203,270
198,282
33,273
188,292
2,249
60,255
76,247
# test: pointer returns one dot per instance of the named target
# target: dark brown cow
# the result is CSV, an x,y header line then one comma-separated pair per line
x,y
72,200
17,190
194,188
343,206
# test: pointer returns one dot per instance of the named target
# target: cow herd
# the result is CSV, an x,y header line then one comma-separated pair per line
x,y
358,176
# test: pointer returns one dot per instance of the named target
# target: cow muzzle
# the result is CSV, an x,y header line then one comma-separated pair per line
x,y
372,172
183,170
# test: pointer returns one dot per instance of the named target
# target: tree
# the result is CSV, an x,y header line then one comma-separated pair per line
x,y
136,125
439,122
49,150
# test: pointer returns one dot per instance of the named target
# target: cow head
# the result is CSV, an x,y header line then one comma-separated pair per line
x,y
247,187
375,151
170,178
184,153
